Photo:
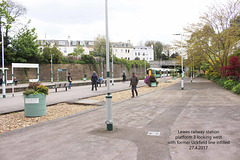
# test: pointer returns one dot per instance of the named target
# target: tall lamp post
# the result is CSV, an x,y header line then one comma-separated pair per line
x,y
182,81
3,72
112,67
145,68
108,121
51,69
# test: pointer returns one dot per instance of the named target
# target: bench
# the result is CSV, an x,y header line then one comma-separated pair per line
x,y
61,85
33,80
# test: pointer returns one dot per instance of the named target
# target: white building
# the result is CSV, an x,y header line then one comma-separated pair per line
x,y
67,46
123,50
143,53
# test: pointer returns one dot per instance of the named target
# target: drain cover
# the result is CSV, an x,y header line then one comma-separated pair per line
x,y
152,133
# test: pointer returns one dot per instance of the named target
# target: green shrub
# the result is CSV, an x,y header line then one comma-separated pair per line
x,y
201,75
236,89
80,62
152,78
30,91
228,84
219,81
42,90
35,88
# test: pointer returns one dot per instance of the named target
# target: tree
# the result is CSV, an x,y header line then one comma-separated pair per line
x,y
15,11
174,55
25,46
216,37
233,69
167,49
100,47
137,58
78,52
57,56
9,13
157,48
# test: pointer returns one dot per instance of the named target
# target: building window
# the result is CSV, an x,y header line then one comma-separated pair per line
x,y
126,50
116,50
135,53
128,58
139,53
143,54
65,50
143,58
121,50
74,43
62,43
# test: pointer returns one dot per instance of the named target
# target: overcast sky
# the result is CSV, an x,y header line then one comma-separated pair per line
x,y
135,20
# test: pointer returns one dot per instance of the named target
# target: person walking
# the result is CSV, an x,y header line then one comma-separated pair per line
x,y
69,80
134,83
124,77
94,80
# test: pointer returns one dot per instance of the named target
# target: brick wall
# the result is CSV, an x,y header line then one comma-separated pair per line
x,y
77,72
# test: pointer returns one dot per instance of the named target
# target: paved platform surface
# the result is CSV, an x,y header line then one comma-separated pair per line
x,y
16,103
201,106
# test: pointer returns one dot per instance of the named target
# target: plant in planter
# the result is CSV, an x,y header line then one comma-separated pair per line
x,y
147,81
35,100
153,81
85,77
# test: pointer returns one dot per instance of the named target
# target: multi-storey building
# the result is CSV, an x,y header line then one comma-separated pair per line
x,y
123,50
67,46
143,53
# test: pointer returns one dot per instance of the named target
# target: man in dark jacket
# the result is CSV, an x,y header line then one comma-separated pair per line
x,y
69,80
124,77
94,80
134,83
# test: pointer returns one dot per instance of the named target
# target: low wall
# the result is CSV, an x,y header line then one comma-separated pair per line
x,y
77,72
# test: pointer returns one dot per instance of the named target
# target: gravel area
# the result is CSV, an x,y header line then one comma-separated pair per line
x,y
17,120
118,96
13,121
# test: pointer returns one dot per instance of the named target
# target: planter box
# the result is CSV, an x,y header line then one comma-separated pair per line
x,y
153,84
34,105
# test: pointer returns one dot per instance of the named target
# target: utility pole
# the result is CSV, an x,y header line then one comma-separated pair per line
x,y
191,73
3,71
112,67
51,69
145,68
102,66
108,121
182,81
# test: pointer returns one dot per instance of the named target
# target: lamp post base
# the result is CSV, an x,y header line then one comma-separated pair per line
x,y
109,127
182,84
